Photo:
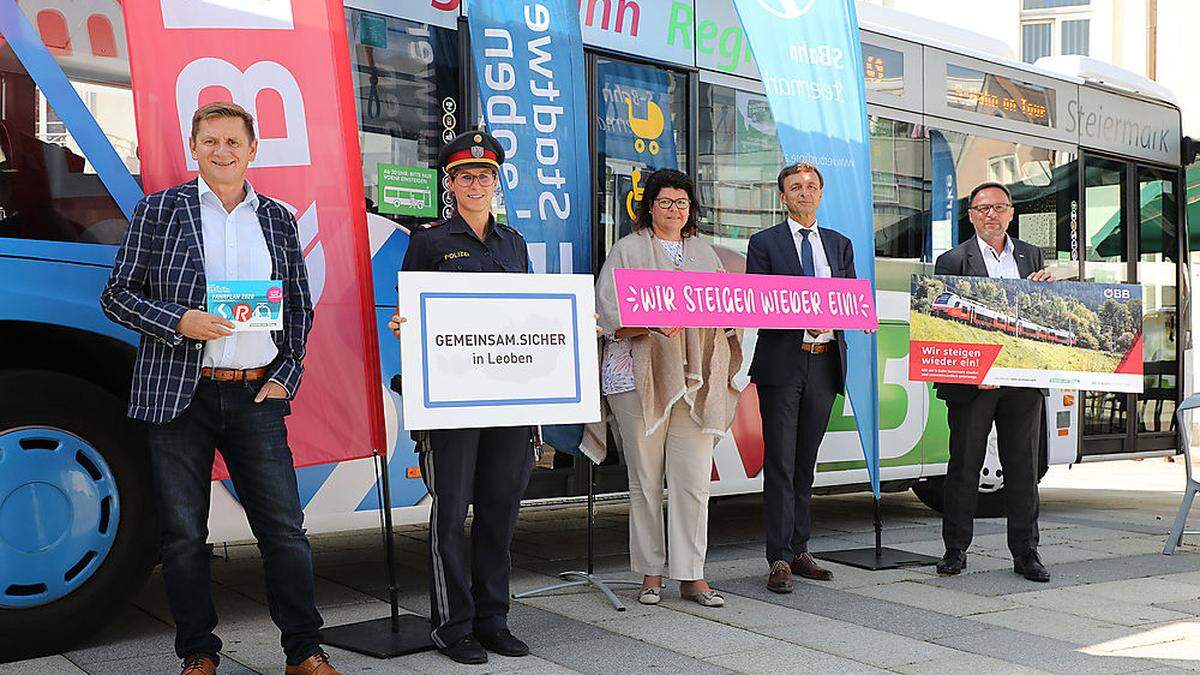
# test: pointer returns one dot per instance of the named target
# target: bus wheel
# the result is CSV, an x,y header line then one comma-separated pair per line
x,y
990,504
77,532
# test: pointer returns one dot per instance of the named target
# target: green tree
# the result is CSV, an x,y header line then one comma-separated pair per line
x,y
925,291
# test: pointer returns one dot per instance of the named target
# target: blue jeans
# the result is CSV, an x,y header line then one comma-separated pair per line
x,y
253,440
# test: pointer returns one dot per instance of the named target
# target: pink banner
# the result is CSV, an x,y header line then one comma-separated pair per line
x,y
287,62
656,298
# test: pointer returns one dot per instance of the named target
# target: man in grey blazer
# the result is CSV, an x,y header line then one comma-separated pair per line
x,y
972,409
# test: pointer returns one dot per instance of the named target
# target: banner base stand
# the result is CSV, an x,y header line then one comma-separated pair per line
x,y
876,559
579,579
397,634
379,638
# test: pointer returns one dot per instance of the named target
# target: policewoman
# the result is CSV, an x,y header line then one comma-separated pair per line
x,y
488,467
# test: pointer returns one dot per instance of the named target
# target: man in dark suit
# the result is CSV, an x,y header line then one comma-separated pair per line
x,y
200,386
972,409
797,373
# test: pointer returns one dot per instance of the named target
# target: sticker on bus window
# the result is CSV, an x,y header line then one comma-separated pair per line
x,y
407,190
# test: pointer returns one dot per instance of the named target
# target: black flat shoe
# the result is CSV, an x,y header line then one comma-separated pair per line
x,y
954,562
466,650
503,643
1030,566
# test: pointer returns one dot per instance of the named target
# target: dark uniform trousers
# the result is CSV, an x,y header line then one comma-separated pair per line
x,y
794,417
970,421
489,468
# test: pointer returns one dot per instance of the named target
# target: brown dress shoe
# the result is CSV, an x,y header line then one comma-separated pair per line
x,y
199,664
806,567
780,580
317,664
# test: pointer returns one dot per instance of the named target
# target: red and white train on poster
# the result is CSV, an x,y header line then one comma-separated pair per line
x,y
955,308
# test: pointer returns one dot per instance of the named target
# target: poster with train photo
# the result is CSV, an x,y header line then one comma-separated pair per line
x,y
1014,332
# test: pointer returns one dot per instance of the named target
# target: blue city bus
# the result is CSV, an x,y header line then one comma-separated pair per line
x,y
673,85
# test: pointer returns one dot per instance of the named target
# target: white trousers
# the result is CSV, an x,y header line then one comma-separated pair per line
x,y
679,451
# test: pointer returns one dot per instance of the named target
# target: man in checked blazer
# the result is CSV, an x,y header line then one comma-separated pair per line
x,y
797,373
199,386
971,410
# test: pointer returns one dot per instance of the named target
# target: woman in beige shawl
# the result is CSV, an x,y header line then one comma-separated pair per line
x,y
671,394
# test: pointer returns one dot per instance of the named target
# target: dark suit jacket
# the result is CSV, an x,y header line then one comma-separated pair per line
x,y
965,260
159,274
773,251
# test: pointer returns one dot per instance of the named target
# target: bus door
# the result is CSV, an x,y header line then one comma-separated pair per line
x,y
640,123
1131,235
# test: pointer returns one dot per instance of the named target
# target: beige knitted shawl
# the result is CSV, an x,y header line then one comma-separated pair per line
x,y
697,364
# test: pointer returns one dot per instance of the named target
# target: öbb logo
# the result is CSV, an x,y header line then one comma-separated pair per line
x,y
1117,293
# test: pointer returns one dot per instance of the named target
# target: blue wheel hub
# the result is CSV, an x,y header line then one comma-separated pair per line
x,y
59,510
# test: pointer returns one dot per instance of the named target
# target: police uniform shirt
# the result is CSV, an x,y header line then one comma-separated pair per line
x,y
451,246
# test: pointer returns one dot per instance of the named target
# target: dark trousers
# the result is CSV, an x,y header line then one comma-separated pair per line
x,y
1015,411
253,441
794,419
489,468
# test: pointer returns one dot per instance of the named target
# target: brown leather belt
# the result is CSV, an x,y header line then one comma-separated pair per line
x,y
815,347
232,375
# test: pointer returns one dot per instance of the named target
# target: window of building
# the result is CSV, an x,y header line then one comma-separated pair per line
x,y
1035,40
1075,36
1052,4
48,188
1054,28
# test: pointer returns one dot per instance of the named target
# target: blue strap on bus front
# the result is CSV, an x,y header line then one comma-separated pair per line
x,y
27,44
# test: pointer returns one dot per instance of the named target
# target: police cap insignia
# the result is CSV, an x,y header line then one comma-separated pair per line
x,y
471,149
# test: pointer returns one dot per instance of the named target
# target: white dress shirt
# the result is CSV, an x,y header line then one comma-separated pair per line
x,y
820,266
235,249
1001,265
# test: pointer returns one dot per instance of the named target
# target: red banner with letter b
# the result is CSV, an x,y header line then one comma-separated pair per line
x,y
287,62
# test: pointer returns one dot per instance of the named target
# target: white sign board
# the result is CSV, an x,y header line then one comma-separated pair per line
x,y
498,350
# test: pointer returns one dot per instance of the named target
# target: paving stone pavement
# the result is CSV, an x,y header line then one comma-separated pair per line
x,y
1115,604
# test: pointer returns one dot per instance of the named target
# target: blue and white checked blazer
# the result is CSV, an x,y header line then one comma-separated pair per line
x,y
159,274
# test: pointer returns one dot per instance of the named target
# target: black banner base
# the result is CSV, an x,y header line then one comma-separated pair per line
x,y
877,559
374,637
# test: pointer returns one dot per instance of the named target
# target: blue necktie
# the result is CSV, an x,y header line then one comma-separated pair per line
x,y
807,268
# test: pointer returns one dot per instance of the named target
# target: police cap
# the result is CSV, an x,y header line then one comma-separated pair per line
x,y
472,149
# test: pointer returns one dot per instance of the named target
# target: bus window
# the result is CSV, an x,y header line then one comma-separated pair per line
x,y
1157,257
48,189
641,126
899,165
1045,193
739,161
405,78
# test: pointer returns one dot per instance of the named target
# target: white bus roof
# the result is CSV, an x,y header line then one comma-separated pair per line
x,y
1107,75
1078,69
929,32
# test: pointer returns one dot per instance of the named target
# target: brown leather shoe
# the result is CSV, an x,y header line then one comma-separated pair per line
x,y
806,567
317,664
780,580
199,664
